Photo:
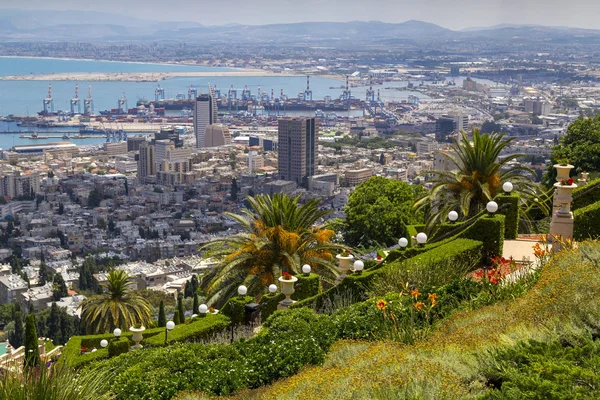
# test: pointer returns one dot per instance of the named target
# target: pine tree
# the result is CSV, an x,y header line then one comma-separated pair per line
x,y
162,318
43,274
196,304
17,337
176,317
32,352
59,288
180,308
54,325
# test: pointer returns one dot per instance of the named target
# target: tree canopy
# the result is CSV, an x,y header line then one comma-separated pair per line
x,y
378,211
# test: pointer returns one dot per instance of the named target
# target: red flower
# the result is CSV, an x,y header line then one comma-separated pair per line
x,y
494,280
286,276
378,258
570,181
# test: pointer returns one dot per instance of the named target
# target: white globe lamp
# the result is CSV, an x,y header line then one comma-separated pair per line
x,y
242,290
170,325
104,343
359,266
117,332
202,309
272,288
491,207
403,242
306,269
421,238
507,187
452,216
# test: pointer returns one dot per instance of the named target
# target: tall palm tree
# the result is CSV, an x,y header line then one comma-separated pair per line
x,y
477,177
278,236
119,307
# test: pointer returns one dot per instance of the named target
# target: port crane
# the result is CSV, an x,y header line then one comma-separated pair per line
x,y
49,101
192,93
308,92
88,103
122,104
75,103
159,93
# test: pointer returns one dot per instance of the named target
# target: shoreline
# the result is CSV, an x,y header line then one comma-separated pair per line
x,y
117,61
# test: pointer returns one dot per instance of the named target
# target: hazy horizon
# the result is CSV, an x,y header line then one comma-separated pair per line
x,y
455,15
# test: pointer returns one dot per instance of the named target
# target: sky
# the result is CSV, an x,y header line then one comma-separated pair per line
x,y
452,14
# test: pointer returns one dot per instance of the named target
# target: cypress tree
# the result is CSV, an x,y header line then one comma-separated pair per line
x,y
194,283
32,352
162,318
187,290
180,308
54,325
196,304
176,317
17,337
59,288
43,274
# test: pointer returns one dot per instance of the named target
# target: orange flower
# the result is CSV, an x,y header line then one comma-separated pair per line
x,y
381,304
419,305
432,297
415,293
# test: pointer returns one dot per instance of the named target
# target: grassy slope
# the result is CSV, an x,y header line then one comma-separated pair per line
x,y
448,364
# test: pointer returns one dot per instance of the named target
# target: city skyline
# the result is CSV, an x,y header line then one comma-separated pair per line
x,y
462,14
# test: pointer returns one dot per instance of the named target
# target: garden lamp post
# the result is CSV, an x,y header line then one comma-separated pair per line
x,y
452,216
358,266
491,208
168,327
103,343
421,238
242,290
507,187
306,269
117,333
272,288
403,242
203,309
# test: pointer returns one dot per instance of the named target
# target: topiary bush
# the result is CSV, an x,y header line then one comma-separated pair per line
x,y
268,304
235,309
307,286
587,222
586,195
118,346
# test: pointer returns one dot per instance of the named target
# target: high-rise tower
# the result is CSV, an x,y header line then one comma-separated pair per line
x,y
297,149
205,113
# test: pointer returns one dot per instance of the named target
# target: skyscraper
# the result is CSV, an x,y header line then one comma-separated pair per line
x,y
205,113
297,149
147,161
216,135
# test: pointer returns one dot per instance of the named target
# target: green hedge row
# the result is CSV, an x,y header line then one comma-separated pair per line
x,y
354,286
586,195
508,205
268,304
193,331
587,222
117,347
235,308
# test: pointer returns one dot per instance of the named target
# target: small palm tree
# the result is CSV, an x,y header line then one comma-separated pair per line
x,y
119,307
279,236
477,178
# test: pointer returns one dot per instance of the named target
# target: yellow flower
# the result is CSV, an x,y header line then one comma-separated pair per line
x,y
381,304
419,305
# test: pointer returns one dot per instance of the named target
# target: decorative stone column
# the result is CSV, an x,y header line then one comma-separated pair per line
x,y
287,288
562,174
562,218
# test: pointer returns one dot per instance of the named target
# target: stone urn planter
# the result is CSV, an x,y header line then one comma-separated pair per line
x,y
137,336
584,176
564,197
563,171
287,288
344,263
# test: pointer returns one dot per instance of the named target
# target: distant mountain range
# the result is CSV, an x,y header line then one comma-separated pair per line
x,y
34,26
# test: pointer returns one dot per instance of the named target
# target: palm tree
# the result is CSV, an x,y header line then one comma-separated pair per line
x,y
477,178
278,236
119,307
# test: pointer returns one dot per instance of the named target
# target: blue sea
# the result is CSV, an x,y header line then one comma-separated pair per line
x,y
25,98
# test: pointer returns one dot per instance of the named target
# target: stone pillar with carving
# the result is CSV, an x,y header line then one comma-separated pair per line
x,y
562,217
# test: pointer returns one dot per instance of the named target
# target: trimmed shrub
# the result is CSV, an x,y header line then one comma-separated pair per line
x,y
356,285
307,286
235,309
508,205
268,304
584,196
587,222
118,346
194,330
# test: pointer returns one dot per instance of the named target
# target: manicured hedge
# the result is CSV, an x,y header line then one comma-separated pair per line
x,y
355,285
508,205
117,347
195,330
268,304
307,286
587,222
235,308
585,195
